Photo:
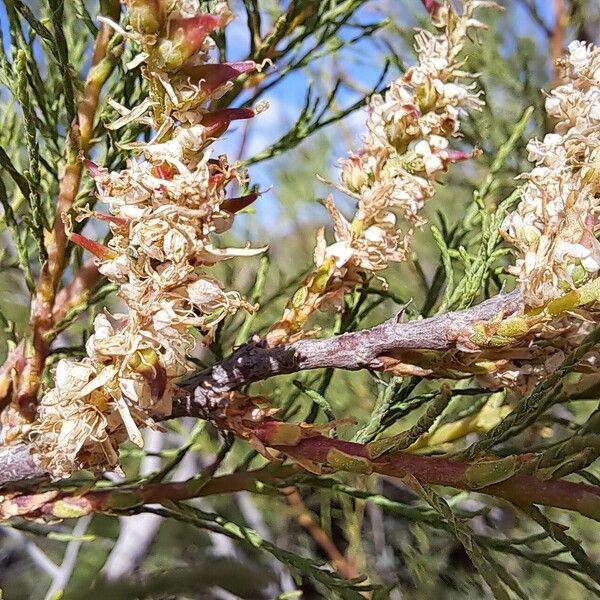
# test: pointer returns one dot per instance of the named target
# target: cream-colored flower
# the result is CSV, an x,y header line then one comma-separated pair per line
x,y
405,150
555,224
165,208
407,144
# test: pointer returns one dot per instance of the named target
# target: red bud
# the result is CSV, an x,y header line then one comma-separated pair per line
x,y
234,205
195,29
98,250
432,7
213,76
218,121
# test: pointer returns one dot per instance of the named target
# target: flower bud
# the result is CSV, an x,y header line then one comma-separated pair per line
x,y
185,39
213,76
98,250
354,176
146,16
403,127
234,205
437,11
455,156
146,363
93,169
217,122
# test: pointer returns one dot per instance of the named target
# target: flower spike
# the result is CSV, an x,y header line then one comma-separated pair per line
x,y
165,209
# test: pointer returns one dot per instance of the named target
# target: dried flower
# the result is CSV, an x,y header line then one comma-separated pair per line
x,y
164,210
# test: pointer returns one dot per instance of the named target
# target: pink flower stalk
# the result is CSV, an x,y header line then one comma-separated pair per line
x,y
118,221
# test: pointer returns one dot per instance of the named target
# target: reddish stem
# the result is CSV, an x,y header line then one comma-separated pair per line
x,y
71,295
521,490
42,304
100,251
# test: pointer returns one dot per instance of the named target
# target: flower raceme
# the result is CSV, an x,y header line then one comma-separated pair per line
x,y
165,210
555,224
554,229
405,151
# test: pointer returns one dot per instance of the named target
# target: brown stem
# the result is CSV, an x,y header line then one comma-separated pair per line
x,y
374,348
75,503
37,347
17,464
344,567
77,290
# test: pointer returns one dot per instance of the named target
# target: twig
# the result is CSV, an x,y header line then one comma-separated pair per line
x,y
522,490
344,567
43,301
365,349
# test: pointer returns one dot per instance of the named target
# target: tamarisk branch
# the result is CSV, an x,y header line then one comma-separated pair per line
x,y
204,396
377,348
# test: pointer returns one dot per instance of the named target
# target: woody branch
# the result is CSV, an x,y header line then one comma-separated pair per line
x,y
362,349
366,349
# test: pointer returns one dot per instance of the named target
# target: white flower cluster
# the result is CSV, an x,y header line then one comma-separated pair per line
x,y
555,224
554,229
407,145
164,210
406,149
